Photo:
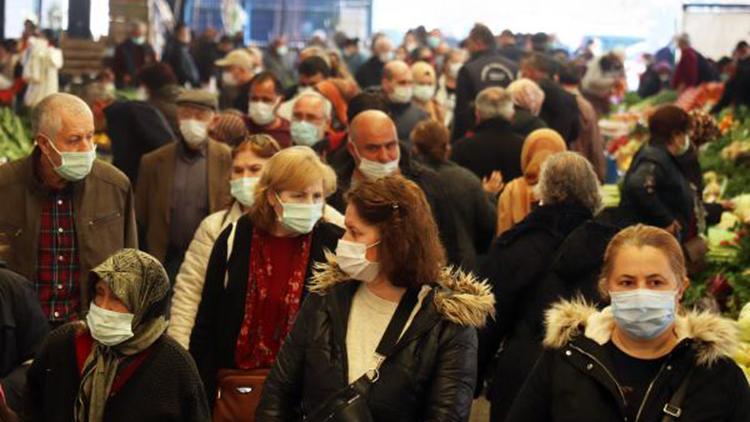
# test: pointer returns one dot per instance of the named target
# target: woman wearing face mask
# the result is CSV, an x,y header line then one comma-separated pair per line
x,y
642,358
257,273
424,90
655,188
446,93
248,159
118,365
384,295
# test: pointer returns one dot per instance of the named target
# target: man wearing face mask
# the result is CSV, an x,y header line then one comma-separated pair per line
x,y
311,70
374,152
265,98
131,55
181,183
237,70
64,211
311,118
371,72
655,187
398,87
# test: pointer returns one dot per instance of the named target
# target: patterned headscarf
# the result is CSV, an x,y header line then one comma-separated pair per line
x,y
141,283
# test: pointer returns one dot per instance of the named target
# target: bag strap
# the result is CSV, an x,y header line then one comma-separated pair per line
x,y
673,410
398,322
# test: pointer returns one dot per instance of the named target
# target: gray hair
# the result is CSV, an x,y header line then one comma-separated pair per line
x,y
569,177
327,107
494,102
46,118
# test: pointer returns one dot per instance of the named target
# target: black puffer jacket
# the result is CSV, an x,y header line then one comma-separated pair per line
x,y
222,308
430,377
656,190
516,267
573,379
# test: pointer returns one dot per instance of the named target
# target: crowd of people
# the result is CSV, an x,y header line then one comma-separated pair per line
x,y
341,238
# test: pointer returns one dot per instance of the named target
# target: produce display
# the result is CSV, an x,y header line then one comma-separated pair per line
x,y
15,136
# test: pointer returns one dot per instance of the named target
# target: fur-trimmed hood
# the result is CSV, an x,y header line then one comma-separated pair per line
x,y
715,337
459,296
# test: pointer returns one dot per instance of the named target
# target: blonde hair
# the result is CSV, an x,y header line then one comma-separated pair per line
x,y
639,236
423,68
294,168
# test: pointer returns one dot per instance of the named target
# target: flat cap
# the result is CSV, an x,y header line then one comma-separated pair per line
x,y
198,98
239,57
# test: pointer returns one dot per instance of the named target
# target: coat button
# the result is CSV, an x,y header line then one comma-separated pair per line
x,y
590,366
568,353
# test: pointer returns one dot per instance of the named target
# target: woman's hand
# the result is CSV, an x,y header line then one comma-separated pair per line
x,y
493,183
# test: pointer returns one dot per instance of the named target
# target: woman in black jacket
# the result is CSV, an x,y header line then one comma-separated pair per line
x,y
118,365
517,264
655,188
629,361
391,247
258,270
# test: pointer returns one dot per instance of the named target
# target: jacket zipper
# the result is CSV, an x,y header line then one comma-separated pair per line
x,y
648,392
592,357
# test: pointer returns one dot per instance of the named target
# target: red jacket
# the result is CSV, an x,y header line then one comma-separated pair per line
x,y
687,69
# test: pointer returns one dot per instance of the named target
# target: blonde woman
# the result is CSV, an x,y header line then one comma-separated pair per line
x,y
643,358
258,270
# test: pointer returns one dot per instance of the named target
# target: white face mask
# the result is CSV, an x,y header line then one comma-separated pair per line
x,y
228,79
304,88
195,132
374,169
261,113
300,218
74,166
305,133
243,190
108,327
401,95
350,257
386,57
453,69
424,93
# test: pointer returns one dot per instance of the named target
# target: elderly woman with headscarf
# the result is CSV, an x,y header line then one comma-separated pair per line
x,y
518,198
527,101
118,365
425,87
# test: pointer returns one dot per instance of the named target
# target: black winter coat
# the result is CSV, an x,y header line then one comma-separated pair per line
x,y
23,328
524,123
560,111
222,309
494,146
483,70
430,376
578,262
573,380
165,387
370,73
656,190
442,209
516,267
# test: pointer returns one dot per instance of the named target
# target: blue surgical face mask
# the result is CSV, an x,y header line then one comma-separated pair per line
x,y
304,133
644,313
74,166
300,218
108,327
243,190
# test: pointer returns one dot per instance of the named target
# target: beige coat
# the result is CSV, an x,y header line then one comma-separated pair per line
x,y
154,191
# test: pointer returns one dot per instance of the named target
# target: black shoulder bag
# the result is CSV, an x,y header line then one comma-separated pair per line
x,y
350,403
673,409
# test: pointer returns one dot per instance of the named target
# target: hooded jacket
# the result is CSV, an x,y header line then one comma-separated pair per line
x,y
573,379
429,377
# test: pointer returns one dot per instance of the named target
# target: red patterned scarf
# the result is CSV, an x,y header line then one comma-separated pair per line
x,y
274,293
